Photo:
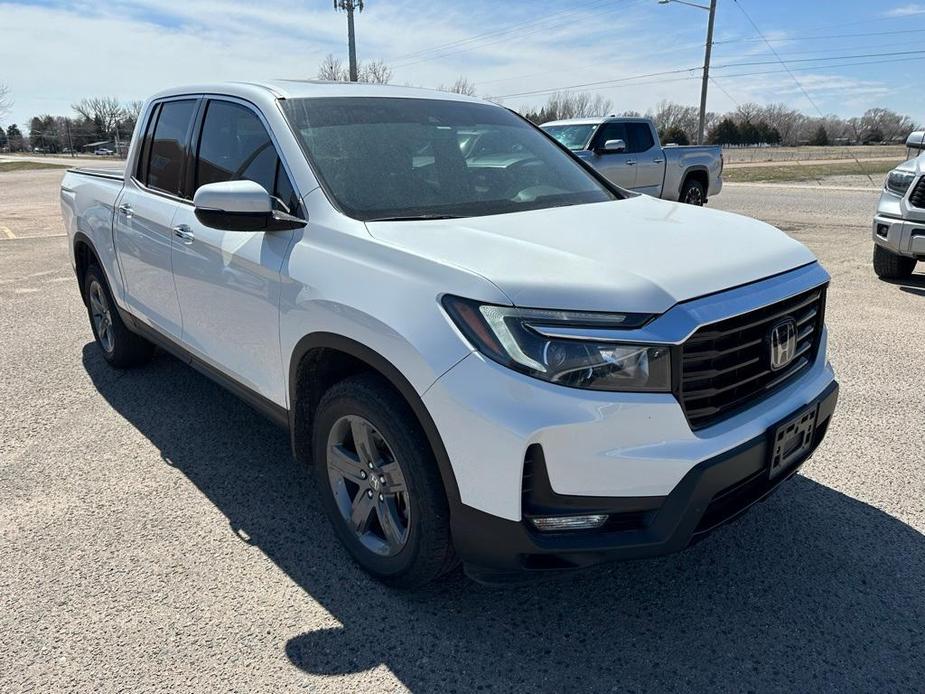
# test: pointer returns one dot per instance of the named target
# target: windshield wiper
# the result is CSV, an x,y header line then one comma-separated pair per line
x,y
414,217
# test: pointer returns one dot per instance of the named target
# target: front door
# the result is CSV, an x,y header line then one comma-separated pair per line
x,y
228,282
617,167
144,216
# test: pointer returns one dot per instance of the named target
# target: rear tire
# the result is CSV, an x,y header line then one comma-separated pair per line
x,y
373,463
693,193
889,266
121,347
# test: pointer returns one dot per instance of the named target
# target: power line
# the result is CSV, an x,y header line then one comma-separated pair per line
x,y
756,63
617,83
813,60
816,38
794,78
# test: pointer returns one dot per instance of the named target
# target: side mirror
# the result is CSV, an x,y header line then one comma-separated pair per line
x,y
240,206
916,140
613,146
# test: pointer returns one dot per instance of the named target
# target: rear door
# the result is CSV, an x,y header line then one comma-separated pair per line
x,y
228,282
144,213
650,160
618,167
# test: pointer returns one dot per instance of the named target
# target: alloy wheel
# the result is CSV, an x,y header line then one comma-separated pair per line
x,y
102,316
368,485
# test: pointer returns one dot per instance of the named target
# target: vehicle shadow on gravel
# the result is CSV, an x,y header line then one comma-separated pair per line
x,y
810,590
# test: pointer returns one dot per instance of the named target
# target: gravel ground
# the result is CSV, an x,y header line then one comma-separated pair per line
x,y
156,536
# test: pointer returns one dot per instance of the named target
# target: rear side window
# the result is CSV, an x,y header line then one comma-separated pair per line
x,y
168,146
640,138
234,146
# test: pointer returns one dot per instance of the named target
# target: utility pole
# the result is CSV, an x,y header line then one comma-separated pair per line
x,y
349,6
70,143
706,60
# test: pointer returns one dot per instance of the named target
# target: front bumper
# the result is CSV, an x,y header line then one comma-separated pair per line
x,y
713,492
902,237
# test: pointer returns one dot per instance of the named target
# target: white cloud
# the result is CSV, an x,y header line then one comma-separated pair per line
x,y
909,10
129,49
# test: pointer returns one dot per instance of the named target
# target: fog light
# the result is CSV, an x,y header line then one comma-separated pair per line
x,y
554,523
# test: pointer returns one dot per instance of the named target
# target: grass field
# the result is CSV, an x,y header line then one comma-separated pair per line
x,y
756,154
809,172
28,165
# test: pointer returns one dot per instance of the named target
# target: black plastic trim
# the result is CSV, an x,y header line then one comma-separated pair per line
x,y
384,367
497,550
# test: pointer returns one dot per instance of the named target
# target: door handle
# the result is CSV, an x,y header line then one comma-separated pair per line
x,y
631,162
126,210
183,232
657,161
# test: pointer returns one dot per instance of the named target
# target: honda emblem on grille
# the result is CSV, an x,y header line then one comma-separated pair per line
x,y
782,342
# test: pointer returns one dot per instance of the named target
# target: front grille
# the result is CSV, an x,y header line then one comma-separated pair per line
x,y
725,366
917,198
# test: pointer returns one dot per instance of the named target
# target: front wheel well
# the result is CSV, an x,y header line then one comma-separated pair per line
x,y
322,360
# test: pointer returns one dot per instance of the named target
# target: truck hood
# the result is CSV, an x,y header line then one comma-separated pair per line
x,y
640,254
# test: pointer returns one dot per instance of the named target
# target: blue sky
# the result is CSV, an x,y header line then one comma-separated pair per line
x,y
54,52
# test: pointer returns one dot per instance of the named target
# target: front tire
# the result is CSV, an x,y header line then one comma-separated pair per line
x,y
379,483
889,266
121,347
693,193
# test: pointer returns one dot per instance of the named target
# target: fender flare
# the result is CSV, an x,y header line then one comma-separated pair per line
x,y
696,168
393,376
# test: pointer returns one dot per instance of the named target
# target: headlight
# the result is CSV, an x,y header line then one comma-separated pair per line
x,y
538,343
898,182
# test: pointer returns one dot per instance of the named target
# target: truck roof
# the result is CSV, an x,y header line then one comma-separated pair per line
x,y
596,120
295,89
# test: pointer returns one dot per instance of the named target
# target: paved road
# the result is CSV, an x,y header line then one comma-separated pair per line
x,y
155,534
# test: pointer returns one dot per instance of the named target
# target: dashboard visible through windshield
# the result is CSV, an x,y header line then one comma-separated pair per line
x,y
408,158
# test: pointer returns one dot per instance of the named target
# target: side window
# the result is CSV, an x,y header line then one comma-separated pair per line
x,y
640,138
168,146
609,131
234,146
144,156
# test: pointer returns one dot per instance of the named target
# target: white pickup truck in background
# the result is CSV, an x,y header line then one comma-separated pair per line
x,y
628,152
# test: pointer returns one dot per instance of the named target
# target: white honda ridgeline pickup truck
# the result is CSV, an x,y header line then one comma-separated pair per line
x,y
523,368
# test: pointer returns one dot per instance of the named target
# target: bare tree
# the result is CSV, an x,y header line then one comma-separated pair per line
x,y
105,110
671,116
6,101
891,125
787,121
561,105
461,86
375,72
332,69
133,109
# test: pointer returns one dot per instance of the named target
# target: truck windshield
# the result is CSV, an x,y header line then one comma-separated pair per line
x,y
406,158
572,136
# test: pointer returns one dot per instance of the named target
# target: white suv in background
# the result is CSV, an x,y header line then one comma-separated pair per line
x,y
488,354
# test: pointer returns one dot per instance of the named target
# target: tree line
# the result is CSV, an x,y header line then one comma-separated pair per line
x,y
106,119
96,119
748,124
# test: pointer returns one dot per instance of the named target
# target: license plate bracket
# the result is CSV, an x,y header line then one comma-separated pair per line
x,y
791,440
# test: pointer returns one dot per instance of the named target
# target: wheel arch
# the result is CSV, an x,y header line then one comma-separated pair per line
x,y
321,359
85,254
699,173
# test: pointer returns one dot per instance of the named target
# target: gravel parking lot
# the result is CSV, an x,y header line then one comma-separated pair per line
x,y
156,535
